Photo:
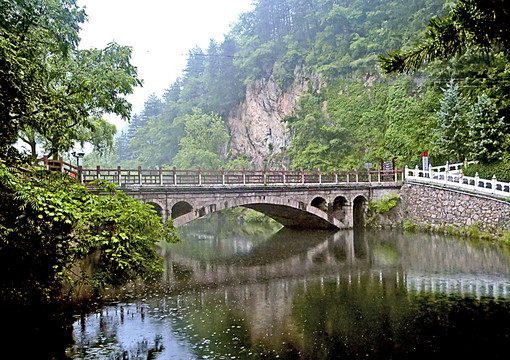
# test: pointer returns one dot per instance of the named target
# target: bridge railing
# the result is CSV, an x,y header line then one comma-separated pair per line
x,y
204,178
451,176
58,166
199,177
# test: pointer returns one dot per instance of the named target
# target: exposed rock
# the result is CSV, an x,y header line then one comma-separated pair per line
x,y
256,126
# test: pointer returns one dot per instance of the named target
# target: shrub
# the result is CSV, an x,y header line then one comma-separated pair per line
x,y
499,168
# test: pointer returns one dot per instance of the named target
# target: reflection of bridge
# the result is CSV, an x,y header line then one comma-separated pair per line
x,y
298,199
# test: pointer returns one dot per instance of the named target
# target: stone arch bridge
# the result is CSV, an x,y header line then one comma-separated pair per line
x,y
310,207
295,198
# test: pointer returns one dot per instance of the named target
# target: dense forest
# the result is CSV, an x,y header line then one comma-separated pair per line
x,y
352,112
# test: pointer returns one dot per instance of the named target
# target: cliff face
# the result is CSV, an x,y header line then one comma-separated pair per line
x,y
256,127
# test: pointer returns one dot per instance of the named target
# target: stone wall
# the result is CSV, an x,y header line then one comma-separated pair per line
x,y
440,208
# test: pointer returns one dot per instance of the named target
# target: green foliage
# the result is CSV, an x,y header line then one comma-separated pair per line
x,y
453,127
470,23
49,225
204,142
487,131
383,205
51,91
501,169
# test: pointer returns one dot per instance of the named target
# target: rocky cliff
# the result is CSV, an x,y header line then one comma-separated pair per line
x,y
256,126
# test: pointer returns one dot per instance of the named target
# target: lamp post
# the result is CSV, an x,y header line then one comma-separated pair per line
x,y
78,156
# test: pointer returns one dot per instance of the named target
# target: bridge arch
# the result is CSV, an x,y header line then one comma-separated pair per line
x,y
359,206
320,203
340,208
288,212
181,208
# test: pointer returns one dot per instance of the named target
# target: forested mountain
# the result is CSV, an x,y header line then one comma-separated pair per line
x,y
312,66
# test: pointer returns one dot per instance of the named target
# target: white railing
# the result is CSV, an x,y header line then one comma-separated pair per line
x,y
452,177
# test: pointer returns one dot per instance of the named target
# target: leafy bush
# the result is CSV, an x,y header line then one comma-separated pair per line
x,y
485,171
383,205
49,224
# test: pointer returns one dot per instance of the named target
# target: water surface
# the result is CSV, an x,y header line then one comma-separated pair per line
x,y
234,291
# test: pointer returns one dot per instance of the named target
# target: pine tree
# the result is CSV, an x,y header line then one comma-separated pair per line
x,y
453,130
487,130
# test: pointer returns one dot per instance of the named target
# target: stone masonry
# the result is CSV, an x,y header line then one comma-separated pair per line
x,y
440,207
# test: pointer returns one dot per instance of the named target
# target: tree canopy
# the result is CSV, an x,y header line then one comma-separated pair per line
x,y
49,89
483,24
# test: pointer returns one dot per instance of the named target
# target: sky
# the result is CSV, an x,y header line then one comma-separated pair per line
x,y
161,32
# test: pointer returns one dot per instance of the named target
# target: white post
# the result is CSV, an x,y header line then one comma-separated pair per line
x,y
119,174
199,177
302,176
160,176
320,176
494,180
406,171
222,176
447,170
477,179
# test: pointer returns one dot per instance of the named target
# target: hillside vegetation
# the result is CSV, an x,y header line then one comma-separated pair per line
x,y
351,114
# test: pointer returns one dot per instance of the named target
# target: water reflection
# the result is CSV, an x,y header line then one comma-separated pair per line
x,y
311,295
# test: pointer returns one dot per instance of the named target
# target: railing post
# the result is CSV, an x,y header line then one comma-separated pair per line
x,y
284,176
431,173
98,170
174,174
222,176
320,176
347,175
357,177
140,175
379,175
302,176
336,176
80,174
160,176
477,179
396,175
61,164
369,176
264,174
447,170
199,177
403,175
46,162
494,180
119,176
244,177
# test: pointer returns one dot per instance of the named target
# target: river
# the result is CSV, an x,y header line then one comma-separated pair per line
x,y
249,291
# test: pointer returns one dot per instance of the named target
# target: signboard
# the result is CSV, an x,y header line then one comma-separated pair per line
x,y
387,165
368,165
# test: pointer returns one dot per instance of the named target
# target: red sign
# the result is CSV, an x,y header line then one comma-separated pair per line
x,y
425,154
